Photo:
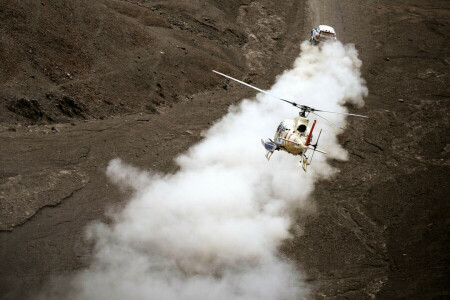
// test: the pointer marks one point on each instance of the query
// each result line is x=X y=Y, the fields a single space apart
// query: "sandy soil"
x=82 y=83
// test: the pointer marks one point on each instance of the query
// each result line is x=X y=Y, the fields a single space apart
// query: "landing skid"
x=304 y=162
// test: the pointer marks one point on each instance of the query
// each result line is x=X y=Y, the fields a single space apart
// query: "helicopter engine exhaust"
x=214 y=228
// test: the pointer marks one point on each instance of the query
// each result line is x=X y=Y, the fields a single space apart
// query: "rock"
x=401 y=100
x=189 y=132
x=387 y=59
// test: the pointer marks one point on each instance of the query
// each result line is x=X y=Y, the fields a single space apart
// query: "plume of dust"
x=316 y=12
x=213 y=229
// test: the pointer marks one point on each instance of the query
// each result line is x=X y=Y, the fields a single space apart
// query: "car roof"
x=326 y=28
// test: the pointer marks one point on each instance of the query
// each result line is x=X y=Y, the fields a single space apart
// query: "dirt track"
x=381 y=226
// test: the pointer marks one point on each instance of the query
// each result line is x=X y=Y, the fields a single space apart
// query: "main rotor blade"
x=340 y=113
x=255 y=88
x=327 y=120
x=302 y=107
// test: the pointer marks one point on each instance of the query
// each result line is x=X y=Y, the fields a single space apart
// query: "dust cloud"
x=213 y=229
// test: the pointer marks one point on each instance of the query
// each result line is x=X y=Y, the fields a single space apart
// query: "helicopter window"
x=280 y=127
x=301 y=128
x=327 y=34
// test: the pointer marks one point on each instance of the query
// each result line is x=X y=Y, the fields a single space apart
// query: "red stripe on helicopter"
x=310 y=133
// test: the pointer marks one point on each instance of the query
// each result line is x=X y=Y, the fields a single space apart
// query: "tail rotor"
x=315 y=147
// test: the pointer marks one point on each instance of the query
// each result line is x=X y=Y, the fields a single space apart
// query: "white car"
x=322 y=33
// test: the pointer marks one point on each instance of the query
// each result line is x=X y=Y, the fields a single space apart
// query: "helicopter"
x=293 y=136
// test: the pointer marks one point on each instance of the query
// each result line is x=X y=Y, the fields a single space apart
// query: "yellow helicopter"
x=293 y=136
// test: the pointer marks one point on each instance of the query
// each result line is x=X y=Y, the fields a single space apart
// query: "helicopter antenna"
x=303 y=108
x=315 y=146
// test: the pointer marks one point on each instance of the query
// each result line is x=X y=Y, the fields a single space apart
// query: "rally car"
x=322 y=33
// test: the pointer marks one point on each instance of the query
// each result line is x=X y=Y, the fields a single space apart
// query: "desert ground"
x=83 y=82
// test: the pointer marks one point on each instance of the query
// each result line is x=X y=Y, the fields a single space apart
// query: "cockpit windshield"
x=327 y=34
x=281 y=128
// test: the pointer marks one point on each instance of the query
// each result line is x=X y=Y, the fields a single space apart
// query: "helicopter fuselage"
x=291 y=135
x=294 y=137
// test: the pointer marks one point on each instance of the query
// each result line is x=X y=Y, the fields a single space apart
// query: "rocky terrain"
x=83 y=82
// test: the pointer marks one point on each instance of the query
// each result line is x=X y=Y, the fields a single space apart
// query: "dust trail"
x=212 y=230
